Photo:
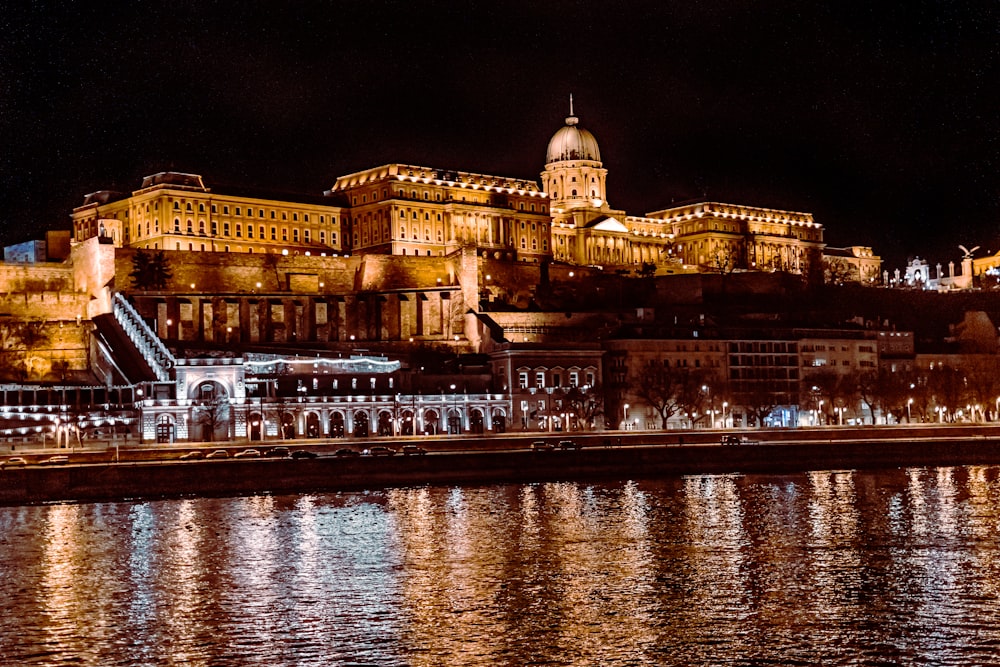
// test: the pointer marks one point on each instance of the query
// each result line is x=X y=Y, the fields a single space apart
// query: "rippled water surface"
x=849 y=568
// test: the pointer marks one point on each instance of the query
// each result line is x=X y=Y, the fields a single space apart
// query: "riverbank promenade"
x=119 y=470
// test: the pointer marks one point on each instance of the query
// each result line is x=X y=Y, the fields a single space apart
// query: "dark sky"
x=881 y=120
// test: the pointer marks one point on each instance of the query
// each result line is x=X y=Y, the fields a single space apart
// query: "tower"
x=574 y=176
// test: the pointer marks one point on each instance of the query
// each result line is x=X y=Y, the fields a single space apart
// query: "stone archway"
x=287 y=426
x=499 y=420
x=312 y=425
x=385 y=423
x=406 y=423
x=337 y=425
x=361 y=426
x=431 y=422
x=476 y=421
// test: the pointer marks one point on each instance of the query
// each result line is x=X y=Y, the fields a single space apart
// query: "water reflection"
x=890 y=567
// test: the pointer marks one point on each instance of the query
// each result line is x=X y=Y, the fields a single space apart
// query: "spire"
x=571 y=119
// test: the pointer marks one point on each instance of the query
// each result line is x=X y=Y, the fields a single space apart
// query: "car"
x=541 y=446
x=13 y=462
x=346 y=452
x=247 y=454
x=278 y=452
x=568 y=444
x=414 y=450
x=54 y=461
x=218 y=454
x=193 y=454
x=303 y=454
x=379 y=450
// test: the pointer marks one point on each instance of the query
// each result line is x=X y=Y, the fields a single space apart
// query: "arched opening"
x=287 y=426
x=476 y=421
x=337 y=425
x=454 y=421
x=256 y=426
x=360 y=424
x=406 y=423
x=499 y=422
x=385 y=423
x=165 y=429
x=430 y=422
x=312 y=425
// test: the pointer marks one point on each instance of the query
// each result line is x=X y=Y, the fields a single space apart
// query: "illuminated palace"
x=390 y=266
x=399 y=209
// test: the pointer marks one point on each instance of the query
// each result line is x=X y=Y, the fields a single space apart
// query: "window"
x=522 y=380
x=249 y=212
x=574 y=379
x=249 y=231
x=239 y=230
x=540 y=379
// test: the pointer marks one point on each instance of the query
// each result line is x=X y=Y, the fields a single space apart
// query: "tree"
x=837 y=271
x=586 y=404
x=983 y=381
x=759 y=401
x=894 y=392
x=212 y=415
x=150 y=270
x=665 y=388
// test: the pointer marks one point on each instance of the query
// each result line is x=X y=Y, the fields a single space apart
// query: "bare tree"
x=657 y=385
x=212 y=415
x=983 y=383
x=586 y=404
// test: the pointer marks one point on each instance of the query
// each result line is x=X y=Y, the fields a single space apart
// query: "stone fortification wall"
x=223 y=272
x=63 y=355
x=41 y=291
x=393 y=272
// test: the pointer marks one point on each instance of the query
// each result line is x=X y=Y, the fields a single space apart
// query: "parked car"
x=54 y=460
x=247 y=454
x=346 y=452
x=414 y=450
x=379 y=450
x=14 y=461
x=568 y=444
x=218 y=454
x=278 y=452
x=303 y=454
x=193 y=454
x=541 y=446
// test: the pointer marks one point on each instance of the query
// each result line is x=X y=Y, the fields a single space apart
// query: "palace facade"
x=400 y=209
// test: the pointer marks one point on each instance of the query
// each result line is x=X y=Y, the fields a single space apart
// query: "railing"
x=148 y=343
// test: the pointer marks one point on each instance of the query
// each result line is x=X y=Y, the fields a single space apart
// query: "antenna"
x=571 y=104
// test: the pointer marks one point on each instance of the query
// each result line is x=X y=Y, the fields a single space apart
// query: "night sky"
x=881 y=121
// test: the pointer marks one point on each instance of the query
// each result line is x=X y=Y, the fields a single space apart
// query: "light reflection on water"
x=849 y=568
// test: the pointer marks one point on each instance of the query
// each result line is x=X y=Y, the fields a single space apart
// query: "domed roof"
x=572 y=142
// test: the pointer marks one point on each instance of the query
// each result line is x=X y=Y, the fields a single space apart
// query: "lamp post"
x=625 y=416
x=821 y=409
x=909 y=403
x=454 y=426
x=710 y=413
x=725 y=404
x=139 y=393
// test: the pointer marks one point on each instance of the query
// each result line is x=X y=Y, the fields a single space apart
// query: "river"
x=898 y=567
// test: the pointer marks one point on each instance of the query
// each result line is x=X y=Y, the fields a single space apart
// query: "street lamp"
x=725 y=404
x=139 y=393
x=711 y=411
x=908 y=404
x=625 y=416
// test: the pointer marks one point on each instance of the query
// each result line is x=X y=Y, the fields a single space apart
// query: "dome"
x=572 y=142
